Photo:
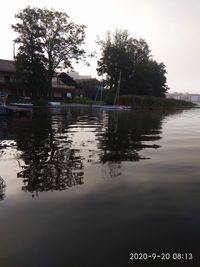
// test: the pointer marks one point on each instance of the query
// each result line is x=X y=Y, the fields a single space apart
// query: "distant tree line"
x=140 y=74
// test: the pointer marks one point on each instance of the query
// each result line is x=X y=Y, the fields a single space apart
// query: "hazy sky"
x=170 y=27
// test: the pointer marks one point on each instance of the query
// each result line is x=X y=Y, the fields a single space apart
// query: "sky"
x=170 y=27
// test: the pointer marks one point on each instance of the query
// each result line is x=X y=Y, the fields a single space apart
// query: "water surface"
x=86 y=187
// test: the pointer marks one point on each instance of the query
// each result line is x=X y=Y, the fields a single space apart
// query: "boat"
x=11 y=109
x=113 y=107
x=116 y=105
x=3 y=108
x=24 y=102
x=22 y=105
x=19 y=109
x=54 y=104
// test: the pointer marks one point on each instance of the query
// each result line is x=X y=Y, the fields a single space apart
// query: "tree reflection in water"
x=2 y=188
x=55 y=147
x=50 y=162
x=126 y=134
x=57 y=171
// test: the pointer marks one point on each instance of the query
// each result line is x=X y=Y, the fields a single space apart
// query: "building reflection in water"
x=56 y=145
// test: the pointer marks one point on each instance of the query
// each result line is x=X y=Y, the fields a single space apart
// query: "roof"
x=7 y=65
x=66 y=79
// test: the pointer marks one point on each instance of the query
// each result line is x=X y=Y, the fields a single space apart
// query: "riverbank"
x=151 y=102
x=137 y=102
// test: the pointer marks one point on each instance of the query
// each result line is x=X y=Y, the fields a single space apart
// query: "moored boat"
x=3 y=108
x=19 y=109
x=54 y=104
x=113 y=107
x=24 y=102
x=22 y=105
x=13 y=109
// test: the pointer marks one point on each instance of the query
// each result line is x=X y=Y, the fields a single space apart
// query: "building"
x=8 y=83
x=185 y=96
x=76 y=76
x=63 y=86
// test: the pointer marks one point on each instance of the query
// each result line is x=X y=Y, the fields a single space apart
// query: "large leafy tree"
x=150 y=79
x=31 y=75
x=30 y=58
x=131 y=57
x=61 y=40
x=49 y=37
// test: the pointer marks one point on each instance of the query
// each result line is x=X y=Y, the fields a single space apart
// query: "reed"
x=153 y=102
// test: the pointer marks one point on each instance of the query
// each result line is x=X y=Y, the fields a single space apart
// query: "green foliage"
x=40 y=102
x=31 y=75
x=150 y=79
x=30 y=59
x=47 y=41
x=110 y=97
x=139 y=73
x=153 y=102
x=83 y=100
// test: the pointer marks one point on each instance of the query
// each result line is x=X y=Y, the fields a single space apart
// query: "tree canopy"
x=47 y=41
x=140 y=74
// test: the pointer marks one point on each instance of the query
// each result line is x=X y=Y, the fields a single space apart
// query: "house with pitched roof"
x=63 y=86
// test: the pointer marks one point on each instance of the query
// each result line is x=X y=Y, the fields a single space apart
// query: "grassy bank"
x=137 y=102
x=83 y=100
x=154 y=102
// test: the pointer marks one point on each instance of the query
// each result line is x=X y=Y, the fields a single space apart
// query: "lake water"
x=86 y=187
